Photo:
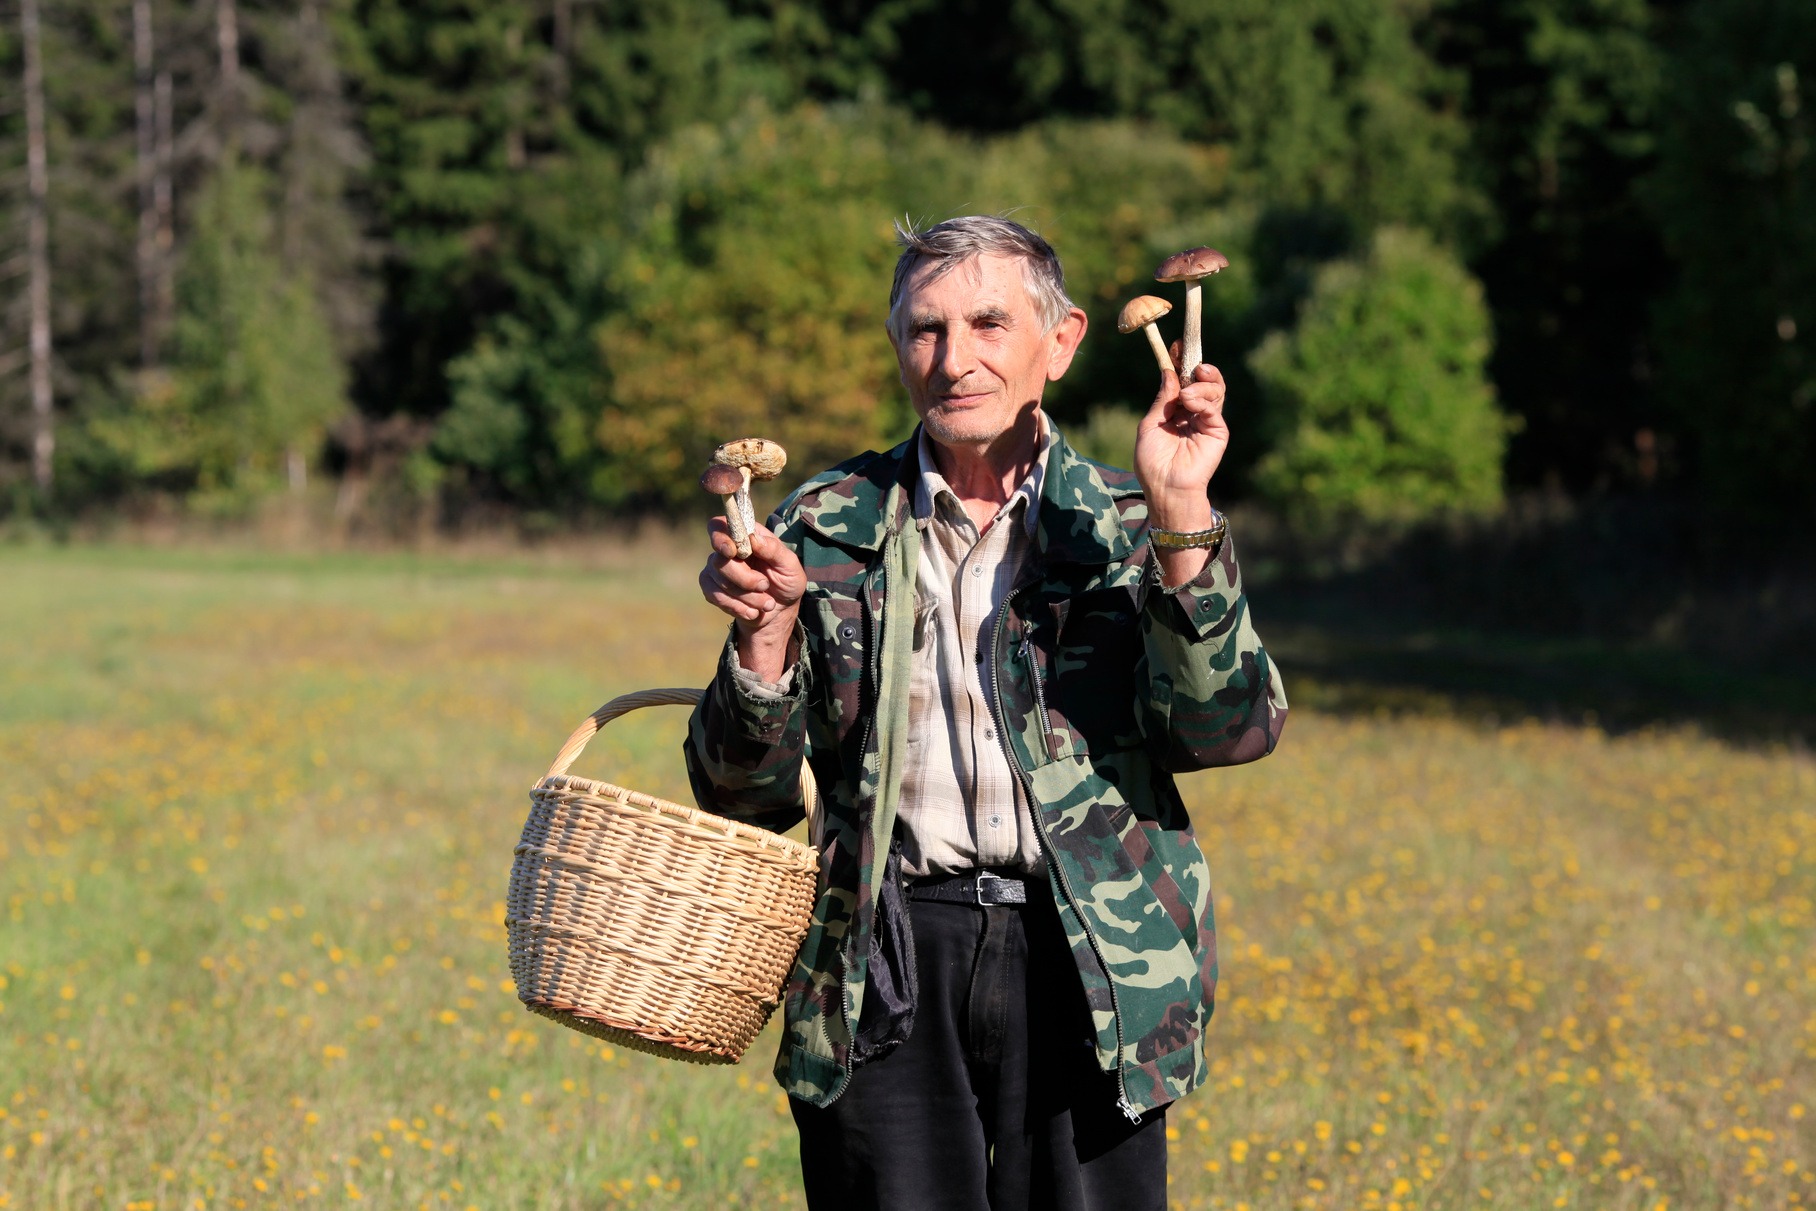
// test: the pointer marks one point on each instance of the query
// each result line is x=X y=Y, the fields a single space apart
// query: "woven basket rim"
x=614 y=795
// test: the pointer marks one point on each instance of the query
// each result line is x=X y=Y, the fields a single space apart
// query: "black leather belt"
x=971 y=887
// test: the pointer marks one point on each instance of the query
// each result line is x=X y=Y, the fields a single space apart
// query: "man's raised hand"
x=1178 y=447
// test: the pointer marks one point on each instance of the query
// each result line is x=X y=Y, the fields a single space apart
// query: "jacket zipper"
x=873 y=662
x=996 y=696
x=1040 y=696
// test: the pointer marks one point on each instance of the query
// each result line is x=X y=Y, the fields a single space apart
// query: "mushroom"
x=734 y=465
x=1192 y=266
x=1143 y=312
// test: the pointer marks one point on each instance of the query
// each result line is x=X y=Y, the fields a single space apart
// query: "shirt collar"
x=931 y=490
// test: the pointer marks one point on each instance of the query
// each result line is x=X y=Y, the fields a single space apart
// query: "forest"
x=531 y=259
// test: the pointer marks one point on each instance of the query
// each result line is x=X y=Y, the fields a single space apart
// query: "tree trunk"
x=37 y=239
x=562 y=43
x=227 y=37
x=163 y=204
x=146 y=156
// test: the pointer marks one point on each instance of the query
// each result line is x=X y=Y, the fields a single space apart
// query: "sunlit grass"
x=256 y=825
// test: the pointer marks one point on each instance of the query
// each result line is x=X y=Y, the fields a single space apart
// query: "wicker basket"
x=656 y=926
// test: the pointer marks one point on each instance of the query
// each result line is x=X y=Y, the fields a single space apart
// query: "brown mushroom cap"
x=722 y=479
x=1143 y=309
x=1190 y=265
x=762 y=457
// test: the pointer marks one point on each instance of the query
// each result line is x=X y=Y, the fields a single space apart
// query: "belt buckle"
x=984 y=878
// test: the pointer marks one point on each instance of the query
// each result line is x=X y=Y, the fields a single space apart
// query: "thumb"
x=772 y=551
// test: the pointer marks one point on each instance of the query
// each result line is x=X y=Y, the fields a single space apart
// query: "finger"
x=741 y=607
x=1169 y=391
x=1192 y=400
x=738 y=605
x=728 y=603
x=718 y=531
x=1207 y=373
x=740 y=577
x=1176 y=351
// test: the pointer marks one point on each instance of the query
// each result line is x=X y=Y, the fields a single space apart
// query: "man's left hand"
x=1178 y=446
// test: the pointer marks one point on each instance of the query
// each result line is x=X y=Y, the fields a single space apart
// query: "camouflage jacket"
x=1105 y=687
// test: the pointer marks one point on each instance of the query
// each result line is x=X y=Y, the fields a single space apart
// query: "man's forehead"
x=986 y=280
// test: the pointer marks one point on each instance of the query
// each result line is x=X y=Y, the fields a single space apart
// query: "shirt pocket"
x=924 y=678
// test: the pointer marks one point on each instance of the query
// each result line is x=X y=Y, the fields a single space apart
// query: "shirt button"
x=996 y=821
x=989 y=733
x=977 y=569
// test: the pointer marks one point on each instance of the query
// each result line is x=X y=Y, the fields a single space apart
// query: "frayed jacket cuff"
x=760 y=710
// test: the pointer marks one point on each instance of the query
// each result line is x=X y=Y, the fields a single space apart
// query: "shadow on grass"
x=1506 y=677
x=1611 y=615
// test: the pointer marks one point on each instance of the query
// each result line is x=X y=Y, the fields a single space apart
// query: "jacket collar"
x=1077 y=522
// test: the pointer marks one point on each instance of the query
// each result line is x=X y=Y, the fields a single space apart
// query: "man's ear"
x=1066 y=336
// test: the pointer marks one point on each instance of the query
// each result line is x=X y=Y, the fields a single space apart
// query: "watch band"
x=1182 y=540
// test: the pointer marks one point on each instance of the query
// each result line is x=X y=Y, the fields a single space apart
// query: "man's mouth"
x=955 y=400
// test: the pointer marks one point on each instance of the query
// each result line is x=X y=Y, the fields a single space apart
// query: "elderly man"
x=995 y=655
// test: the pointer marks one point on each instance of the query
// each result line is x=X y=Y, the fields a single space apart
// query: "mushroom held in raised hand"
x=734 y=465
x=1192 y=267
x=1142 y=312
x=729 y=483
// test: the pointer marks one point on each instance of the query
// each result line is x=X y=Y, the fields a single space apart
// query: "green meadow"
x=256 y=823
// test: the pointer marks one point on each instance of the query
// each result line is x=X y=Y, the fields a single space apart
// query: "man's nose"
x=957 y=355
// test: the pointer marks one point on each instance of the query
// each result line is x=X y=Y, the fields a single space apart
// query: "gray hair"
x=956 y=241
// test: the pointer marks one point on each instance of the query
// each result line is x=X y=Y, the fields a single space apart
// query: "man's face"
x=971 y=349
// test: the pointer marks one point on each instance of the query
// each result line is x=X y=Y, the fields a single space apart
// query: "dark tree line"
x=541 y=252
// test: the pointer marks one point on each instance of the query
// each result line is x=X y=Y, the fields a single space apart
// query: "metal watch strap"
x=1185 y=540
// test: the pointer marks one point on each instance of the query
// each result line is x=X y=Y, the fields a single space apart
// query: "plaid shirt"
x=962 y=804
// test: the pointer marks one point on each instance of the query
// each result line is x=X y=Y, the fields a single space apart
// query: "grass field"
x=257 y=818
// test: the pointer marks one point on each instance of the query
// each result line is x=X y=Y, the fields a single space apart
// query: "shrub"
x=1378 y=396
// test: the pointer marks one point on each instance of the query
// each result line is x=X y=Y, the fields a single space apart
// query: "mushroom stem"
x=1160 y=347
x=739 y=517
x=1193 y=352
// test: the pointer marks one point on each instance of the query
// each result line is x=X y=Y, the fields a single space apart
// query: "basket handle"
x=624 y=704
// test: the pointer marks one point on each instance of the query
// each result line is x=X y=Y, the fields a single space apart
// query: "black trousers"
x=996 y=1100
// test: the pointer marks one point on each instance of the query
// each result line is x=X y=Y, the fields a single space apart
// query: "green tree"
x=467 y=103
x=1318 y=103
x=754 y=293
x=528 y=394
x=252 y=379
x=1383 y=409
x=749 y=292
x=1735 y=195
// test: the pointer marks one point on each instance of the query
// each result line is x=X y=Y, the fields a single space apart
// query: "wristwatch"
x=1185 y=540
